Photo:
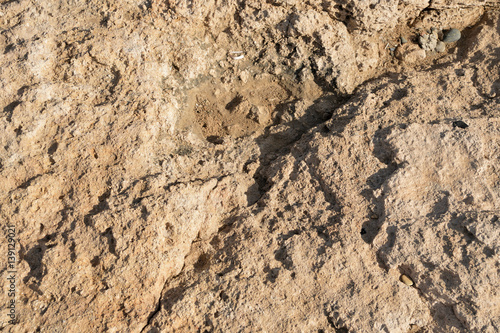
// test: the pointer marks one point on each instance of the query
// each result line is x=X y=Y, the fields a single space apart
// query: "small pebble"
x=237 y=55
x=406 y=280
x=374 y=216
x=452 y=36
x=403 y=40
x=428 y=41
x=460 y=124
x=440 y=47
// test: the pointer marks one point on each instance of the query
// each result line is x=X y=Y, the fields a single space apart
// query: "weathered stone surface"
x=157 y=184
x=450 y=201
x=428 y=42
x=452 y=35
x=410 y=53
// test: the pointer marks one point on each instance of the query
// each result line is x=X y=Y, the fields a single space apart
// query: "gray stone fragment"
x=428 y=41
x=452 y=36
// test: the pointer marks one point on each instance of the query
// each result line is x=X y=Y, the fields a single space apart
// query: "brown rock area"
x=249 y=166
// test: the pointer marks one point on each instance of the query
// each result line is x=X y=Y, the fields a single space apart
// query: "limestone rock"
x=428 y=42
x=156 y=184
x=410 y=53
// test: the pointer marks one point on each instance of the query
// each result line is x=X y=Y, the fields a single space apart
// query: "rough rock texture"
x=158 y=184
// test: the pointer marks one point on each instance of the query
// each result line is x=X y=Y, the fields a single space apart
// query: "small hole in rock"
x=94 y=262
x=216 y=140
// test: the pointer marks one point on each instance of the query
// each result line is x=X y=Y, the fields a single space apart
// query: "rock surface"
x=157 y=183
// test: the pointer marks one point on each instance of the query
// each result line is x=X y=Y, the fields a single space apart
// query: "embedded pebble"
x=258 y=114
x=452 y=36
x=440 y=47
x=428 y=41
x=237 y=55
x=403 y=40
x=406 y=280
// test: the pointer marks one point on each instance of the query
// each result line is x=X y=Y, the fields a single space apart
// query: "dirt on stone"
x=216 y=111
x=247 y=166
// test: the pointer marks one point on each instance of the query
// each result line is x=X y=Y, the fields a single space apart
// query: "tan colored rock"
x=410 y=53
x=137 y=208
x=428 y=42
x=453 y=196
